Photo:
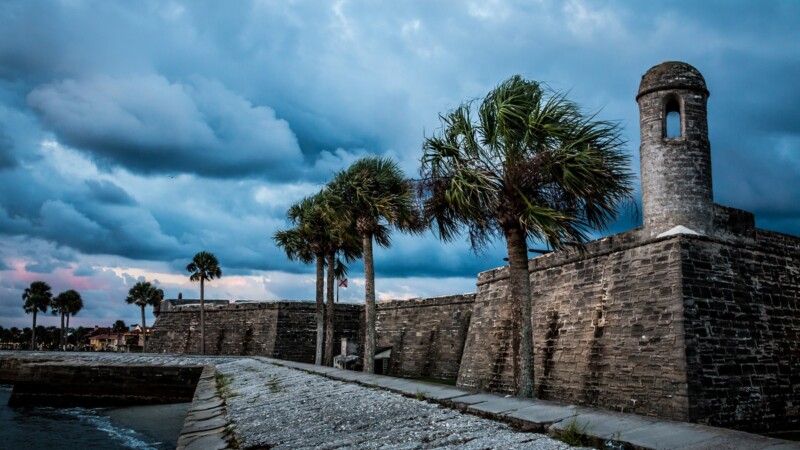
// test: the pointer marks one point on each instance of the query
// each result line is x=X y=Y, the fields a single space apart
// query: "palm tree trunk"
x=202 y=317
x=320 y=308
x=369 y=294
x=144 y=332
x=520 y=281
x=61 y=339
x=33 y=332
x=329 y=316
x=66 y=338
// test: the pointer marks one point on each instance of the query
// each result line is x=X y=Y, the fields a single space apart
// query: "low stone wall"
x=427 y=335
x=92 y=385
x=285 y=330
x=681 y=327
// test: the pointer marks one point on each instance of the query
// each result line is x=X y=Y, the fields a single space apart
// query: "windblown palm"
x=143 y=294
x=315 y=237
x=204 y=267
x=377 y=197
x=37 y=298
x=64 y=304
x=532 y=166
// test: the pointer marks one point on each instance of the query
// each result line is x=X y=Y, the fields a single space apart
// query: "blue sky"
x=134 y=134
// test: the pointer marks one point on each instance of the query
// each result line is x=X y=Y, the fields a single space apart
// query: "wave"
x=126 y=437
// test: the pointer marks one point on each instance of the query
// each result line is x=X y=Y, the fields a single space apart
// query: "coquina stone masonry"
x=607 y=328
x=281 y=329
x=427 y=335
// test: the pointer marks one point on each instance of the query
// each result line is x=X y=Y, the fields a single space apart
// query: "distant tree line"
x=48 y=338
x=38 y=298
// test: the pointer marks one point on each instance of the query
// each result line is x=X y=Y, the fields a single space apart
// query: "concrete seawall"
x=94 y=385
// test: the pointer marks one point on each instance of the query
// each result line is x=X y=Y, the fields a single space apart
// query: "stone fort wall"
x=608 y=328
x=682 y=327
x=283 y=329
x=427 y=335
x=742 y=324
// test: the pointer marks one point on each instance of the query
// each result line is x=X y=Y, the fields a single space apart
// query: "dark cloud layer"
x=137 y=133
x=7 y=159
x=149 y=125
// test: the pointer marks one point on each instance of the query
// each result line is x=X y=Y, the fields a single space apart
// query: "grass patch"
x=274 y=385
x=230 y=435
x=224 y=385
x=575 y=433
x=420 y=395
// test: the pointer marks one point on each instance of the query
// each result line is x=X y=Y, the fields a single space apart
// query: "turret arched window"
x=672 y=119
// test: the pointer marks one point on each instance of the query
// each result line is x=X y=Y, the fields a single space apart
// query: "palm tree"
x=119 y=327
x=63 y=305
x=345 y=244
x=308 y=241
x=376 y=196
x=532 y=166
x=37 y=298
x=143 y=294
x=74 y=306
x=204 y=267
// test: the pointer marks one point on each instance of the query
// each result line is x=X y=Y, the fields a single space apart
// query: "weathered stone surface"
x=742 y=323
x=608 y=328
x=285 y=330
x=283 y=408
x=207 y=442
x=426 y=335
x=101 y=384
x=676 y=171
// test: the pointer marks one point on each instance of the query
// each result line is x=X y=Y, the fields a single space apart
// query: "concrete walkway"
x=277 y=407
x=553 y=418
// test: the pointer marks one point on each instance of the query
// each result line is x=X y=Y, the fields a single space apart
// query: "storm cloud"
x=134 y=134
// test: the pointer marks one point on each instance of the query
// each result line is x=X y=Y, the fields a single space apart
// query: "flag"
x=343 y=282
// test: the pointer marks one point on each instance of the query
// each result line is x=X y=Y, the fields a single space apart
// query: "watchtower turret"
x=675 y=152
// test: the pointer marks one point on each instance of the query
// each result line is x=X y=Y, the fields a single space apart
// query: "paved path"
x=531 y=414
x=290 y=409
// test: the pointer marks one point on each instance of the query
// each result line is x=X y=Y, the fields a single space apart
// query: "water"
x=142 y=427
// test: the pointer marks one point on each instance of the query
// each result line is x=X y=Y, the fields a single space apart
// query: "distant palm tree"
x=377 y=197
x=74 y=306
x=62 y=305
x=37 y=298
x=143 y=294
x=531 y=166
x=204 y=267
x=119 y=327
